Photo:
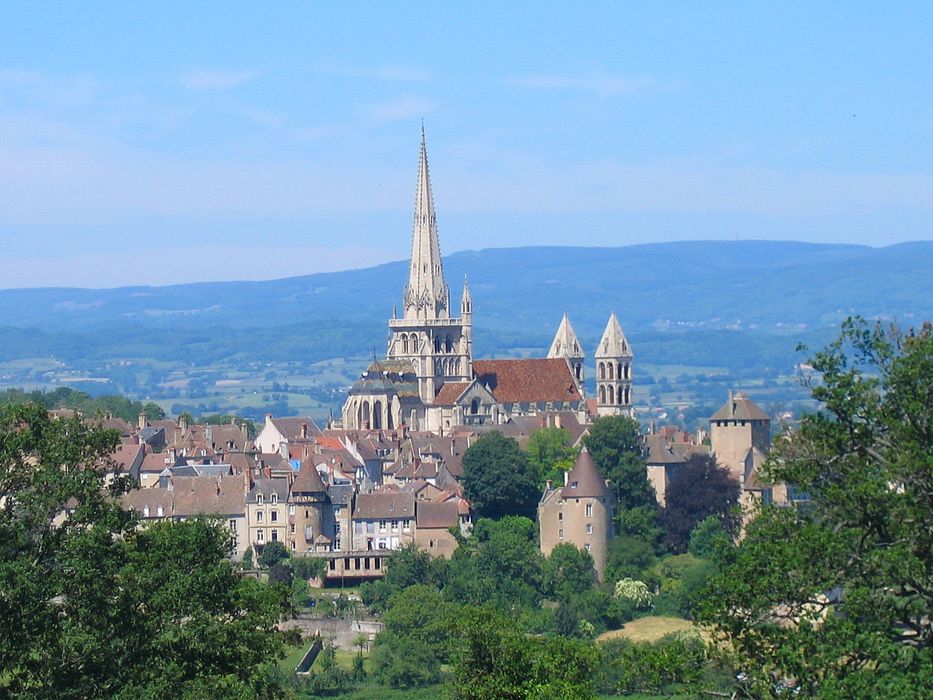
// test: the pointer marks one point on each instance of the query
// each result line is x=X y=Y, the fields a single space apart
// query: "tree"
x=568 y=572
x=92 y=607
x=699 y=490
x=550 y=453
x=616 y=447
x=508 y=562
x=834 y=595
x=708 y=538
x=153 y=411
x=498 y=662
x=407 y=566
x=497 y=478
x=272 y=554
x=615 y=444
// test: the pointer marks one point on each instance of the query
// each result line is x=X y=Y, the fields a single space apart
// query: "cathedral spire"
x=426 y=295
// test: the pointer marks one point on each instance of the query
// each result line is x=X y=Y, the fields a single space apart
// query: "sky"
x=168 y=142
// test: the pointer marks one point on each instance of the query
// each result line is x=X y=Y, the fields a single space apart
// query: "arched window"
x=474 y=407
x=364 y=422
x=437 y=343
x=610 y=366
x=377 y=415
x=602 y=371
x=628 y=395
x=602 y=394
x=448 y=346
x=404 y=344
x=628 y=371
x=619 y=397
x=610 y=395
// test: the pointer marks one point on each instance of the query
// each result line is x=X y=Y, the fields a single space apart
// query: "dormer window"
x=573 y=484
x=160 y=512
x=259 y=499
x=275 y=498
x=145 y=511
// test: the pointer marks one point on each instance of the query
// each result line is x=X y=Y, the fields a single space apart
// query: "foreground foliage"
x=92 y=607
x=834 y=597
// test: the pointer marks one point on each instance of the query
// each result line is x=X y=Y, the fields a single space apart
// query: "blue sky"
x=150 y=143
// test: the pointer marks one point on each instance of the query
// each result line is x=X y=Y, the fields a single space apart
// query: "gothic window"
x=448 y=345
x=628 y=395
x=365 y=415
x=404 y=344
x=437 y=344
x=610 y=394
x=610 y=366
x=619 y=397
x=602 y=371
x=377 y=415
x=602 y=394
x=474 y=407
x=628 y=371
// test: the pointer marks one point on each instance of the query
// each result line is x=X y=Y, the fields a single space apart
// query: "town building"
x=580 y=513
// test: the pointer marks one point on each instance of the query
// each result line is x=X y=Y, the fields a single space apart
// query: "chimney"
x=557 y=421
x=142 y=421
x=566 y=477
x=304 y=431
x=268 y=418
x=550 y=485
x=183 y=423
x=731 y=402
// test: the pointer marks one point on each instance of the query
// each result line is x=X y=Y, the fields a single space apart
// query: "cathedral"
x=429 y=379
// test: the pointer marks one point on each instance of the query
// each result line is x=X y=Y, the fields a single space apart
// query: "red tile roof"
x=527 y=381
x=450 y=392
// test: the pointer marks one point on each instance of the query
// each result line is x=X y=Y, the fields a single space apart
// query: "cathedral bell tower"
x=614 y=372
x=567 y=345
x=438 y=346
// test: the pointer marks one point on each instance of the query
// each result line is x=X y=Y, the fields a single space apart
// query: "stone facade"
x=579 y=513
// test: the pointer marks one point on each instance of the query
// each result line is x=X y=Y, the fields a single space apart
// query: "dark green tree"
x=616 y=447
x=272 y=554
x=568 y=572
x=835 y=595
x=497 y=478
x=92 y=607
x=407 y=566
x=153 y=411
x=499 y=662
x=700 y=489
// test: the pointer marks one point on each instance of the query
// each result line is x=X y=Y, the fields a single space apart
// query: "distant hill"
x=664 y=286
x=740 y=307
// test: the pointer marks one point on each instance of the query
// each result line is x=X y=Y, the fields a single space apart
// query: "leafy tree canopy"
x=272 y=554
x=550 y=453
x=92 y=607
x=700 y=489
x=497 y=478
x=616 y=447
x=835 y=596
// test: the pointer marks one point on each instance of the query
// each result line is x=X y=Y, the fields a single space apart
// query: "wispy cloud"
x=599 y=83
x=214 y=80
x=400 y=108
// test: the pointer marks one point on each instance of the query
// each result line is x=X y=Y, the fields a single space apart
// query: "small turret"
x=566 y=344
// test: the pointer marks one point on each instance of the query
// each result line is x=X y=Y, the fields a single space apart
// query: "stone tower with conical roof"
x=438 y=346
x=566 y=344
x=579 y=513
x=614 y=372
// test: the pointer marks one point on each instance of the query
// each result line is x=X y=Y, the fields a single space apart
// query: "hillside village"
x=388 y=473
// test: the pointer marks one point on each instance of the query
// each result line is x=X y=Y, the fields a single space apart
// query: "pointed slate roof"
x=426 y=295
x=739 y=407
x=584 y=480
x=566 y=343
x=613 y=343
x=308 y=480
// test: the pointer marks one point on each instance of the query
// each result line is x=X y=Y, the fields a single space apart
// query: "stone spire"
x=466 y=301
x=426 y=295
x=613 y=343
x=566 y=343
